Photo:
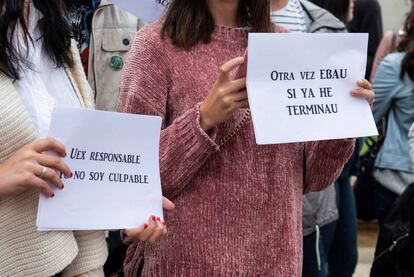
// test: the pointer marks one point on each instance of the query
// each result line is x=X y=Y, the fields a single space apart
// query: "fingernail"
x=153 y=218
x=53 y=195
x=71 y=175
x=158 y=219
x=164 y=223
x=63 y=186
x=145 y=226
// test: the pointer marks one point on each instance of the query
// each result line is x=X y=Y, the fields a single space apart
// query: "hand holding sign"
x=225 y=97
x=31 y=168
x=300 y=94
x=116 y=178
x=364 y=91
x=154 y=230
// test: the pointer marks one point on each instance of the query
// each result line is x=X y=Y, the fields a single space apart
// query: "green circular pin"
x=116 y=62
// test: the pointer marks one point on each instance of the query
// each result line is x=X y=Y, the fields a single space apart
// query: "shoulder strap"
x=394 y=41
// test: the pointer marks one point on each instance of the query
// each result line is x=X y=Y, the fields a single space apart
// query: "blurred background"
x=393 y=13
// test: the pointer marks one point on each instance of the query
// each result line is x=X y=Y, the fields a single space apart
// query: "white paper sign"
x=146 y=10
x=115 y=161
x=299 y=87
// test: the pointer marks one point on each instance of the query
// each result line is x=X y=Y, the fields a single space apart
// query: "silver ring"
x=44 y=169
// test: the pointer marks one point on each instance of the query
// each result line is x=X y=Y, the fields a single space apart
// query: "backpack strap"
x=394 y=41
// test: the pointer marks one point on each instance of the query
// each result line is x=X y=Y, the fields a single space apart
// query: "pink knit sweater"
x=239 y=207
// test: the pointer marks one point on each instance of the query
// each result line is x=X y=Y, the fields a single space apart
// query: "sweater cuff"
x=336 y=148
x=205 y=137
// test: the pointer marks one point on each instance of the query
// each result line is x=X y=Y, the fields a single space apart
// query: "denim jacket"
x=395 y=97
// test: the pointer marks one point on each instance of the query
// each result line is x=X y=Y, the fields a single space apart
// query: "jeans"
x=343 y=256
x=311 y=267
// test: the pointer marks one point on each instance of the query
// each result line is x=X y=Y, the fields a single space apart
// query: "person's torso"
x=113 y=32
x=291 y=17
x=42 y=85
x=51 y=252
x=245 y=183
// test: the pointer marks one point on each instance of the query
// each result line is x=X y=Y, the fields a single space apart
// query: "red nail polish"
x=71 y=175
x=164 y=223
x=63 y=186
x=153 y=218
x=158 y=219
x=53 y=195
x=145 y=226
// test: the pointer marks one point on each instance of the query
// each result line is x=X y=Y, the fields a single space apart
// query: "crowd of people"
x=238 y=209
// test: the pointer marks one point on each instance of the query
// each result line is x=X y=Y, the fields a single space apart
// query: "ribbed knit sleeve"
x=324 y=161
x=184 y=145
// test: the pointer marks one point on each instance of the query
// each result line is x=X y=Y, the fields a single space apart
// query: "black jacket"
x=394 y=255
x=368 y=19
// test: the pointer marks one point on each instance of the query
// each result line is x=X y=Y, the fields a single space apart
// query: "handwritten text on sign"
x=299 y=87
x=114 y=158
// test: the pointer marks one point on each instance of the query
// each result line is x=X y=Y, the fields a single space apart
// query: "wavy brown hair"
x=188 y=22
x=407 y=45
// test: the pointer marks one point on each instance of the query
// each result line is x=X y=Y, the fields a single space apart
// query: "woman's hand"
x=30 y=168
x=364 y=91
x=154 y=230
x=226 y=97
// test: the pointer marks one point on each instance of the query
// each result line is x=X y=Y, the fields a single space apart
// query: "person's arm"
x=383 y=50
x=324 y=161
x=384 y=84
x=184 y=146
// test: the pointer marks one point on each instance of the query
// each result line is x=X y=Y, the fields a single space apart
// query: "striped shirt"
x=291 y=17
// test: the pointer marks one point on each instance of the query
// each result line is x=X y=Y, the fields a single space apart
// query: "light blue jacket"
x=395 y=97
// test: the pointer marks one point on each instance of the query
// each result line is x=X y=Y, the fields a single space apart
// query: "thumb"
x=167 y=204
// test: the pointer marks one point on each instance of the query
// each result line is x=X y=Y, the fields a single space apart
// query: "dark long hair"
x=407 y=45
x=339 y=8
x=56 y=33
x=189 y=22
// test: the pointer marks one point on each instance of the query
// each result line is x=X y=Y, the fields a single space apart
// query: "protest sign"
x=114 y=158
x=146 y=10
x=299 y=87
